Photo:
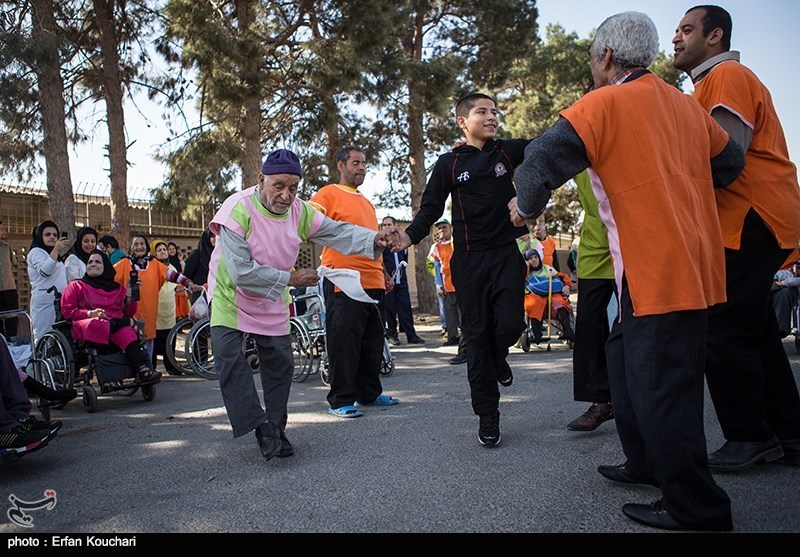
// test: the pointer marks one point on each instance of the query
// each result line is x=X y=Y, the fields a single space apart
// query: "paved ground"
x=171 y=465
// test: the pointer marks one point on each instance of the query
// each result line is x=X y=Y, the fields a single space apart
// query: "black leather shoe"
x=269 y=439
x=621 y=474
x=791 y=451
x=416 y=340
x=653 y=515
x=504 y=375
x=739 y=455
x=286 y=448
x=458 y=359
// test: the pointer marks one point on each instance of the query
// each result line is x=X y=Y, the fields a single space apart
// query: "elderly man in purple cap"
x=259 y=233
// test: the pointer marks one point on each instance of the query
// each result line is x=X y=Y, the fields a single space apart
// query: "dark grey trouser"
x=236 y=378
x=452 y=316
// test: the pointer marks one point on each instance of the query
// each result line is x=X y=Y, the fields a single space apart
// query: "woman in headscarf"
x=45 y=270
x=181 y=295
x=151 y=275
x=197 y=263
x=85 y=243
x=544 y=281
x=166 y=308
x=102 y=312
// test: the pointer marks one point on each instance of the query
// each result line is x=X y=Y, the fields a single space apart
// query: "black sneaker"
x=489 y=429
x=286 y=448
x=269 y=439
x=416 y=340
x=19 y=440
x=504 y=375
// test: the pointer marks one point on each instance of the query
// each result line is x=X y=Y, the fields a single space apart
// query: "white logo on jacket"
x=499 y=169
x=463 y=177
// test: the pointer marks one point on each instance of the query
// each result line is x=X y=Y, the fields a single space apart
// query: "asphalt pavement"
x=172 y=465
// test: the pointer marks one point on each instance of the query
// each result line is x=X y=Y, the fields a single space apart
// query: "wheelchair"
x=199 y=352
x=309 y=340
x=63 y=358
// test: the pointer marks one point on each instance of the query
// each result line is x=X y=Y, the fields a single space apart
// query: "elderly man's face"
x=691 y=48
x=278 y=191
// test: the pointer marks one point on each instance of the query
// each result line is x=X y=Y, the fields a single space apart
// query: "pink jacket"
x=79 y=298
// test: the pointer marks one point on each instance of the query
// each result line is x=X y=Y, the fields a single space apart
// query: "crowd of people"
x=646 y=159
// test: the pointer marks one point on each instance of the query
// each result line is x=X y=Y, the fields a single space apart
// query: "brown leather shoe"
x=590 y=420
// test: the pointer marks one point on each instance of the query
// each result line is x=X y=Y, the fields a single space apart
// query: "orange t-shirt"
x=549 y=247
x=650 y=148
x=443 y=252
x=343 y=203
x=153 y=278
x=769 y=181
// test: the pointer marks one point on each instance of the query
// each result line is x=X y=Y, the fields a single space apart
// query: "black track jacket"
x=481 y=183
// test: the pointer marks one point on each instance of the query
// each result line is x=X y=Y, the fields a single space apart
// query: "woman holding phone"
x=45 y=270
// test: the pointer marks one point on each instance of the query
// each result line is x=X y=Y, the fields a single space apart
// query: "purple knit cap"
x=282 y=161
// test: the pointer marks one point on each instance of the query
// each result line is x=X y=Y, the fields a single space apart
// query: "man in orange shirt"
x=354 y=329
x=443 y=252
x=749 y=376
x=653 y=156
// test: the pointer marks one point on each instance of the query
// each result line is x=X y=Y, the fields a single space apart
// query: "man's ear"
x=714 y=37
x=460 y=121
x=607 y=56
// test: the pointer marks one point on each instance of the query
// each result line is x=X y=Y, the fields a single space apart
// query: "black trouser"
x=783 y=300
x=490 y=293
x=749 y=376
x=655 y=369
x=8 y=302
x=452 y=317
x=160 y=349
x=354 y=343
x=589 y=371
x=398 y=308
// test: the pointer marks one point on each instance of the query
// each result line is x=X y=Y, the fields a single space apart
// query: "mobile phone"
x=64 y=234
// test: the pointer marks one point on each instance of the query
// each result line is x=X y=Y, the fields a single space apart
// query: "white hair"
x=631 y=37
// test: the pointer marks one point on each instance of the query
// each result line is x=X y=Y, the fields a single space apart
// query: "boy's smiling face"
x=482 y=122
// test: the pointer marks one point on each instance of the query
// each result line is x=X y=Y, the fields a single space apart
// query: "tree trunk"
x=251 y=110
x=115 y=118
x=333 y=139
x=426 y=293
x=51 y=94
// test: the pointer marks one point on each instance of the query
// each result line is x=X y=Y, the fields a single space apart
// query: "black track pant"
x=655 y=368
x=589 y=371
x=490 y=286
x=749 y=376
x=354 y=342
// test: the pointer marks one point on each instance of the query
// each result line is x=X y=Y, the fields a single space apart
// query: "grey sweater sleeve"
x=247 y=273
x=550 y=161
x=728 y=165
x=735 y=126
x=347 y=238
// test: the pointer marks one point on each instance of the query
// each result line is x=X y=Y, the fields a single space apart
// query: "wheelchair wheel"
x=301 y=350
x=56 y=351
x=525 y=342
x=89 y=398
x=149 y=392
x=387 y=360
x=251 y=353
x=176 y=345
x=324 y=370
x=199 y=351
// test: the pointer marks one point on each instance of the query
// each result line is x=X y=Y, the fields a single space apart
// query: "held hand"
x=194 y=287
x=385 y=238
x=303 y=277
x=98 y=313
x=62 y=245
x=401 y=240
x=565 y=290
x=513 y=213
x=388 y=282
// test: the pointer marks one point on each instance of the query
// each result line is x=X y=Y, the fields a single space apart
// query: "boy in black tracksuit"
x=488 y=270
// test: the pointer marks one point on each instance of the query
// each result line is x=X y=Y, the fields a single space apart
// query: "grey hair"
x=631 y=37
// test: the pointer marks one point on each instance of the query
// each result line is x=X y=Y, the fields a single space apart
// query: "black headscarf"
x=174 y=260
x=104 y=281
x=140 y=262
x=38 y=241
x=76 y=247
x=197 y=263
